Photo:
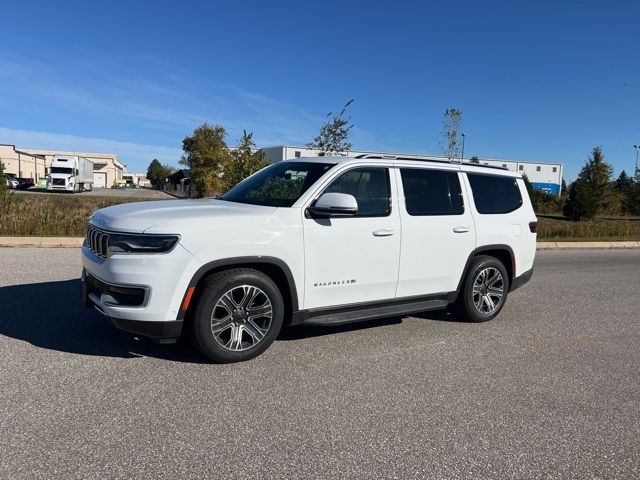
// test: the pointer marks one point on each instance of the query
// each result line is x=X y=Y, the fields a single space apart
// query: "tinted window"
x=431 y=192
x=369 y=186
x=278 y=185
x=493 y=194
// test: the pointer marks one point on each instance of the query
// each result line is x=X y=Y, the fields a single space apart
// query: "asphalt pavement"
x=549 y=389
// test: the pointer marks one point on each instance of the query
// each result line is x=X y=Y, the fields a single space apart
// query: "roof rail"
x=426 y=159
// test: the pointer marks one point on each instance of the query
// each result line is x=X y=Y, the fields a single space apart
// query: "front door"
x=354 y=259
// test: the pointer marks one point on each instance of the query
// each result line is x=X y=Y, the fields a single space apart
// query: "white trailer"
x=70 y=174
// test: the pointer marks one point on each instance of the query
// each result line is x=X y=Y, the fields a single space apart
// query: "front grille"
x=97 y=241
x=59 y=181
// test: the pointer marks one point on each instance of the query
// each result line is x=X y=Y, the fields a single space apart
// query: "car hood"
x=140 y=216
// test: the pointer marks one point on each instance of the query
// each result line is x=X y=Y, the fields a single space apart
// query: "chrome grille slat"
x=97 y=241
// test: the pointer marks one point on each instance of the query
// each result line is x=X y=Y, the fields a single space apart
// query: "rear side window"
x=493 y=194
x=431 y=192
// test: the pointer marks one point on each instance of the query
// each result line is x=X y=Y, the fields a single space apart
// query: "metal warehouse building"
x=542 y=175
x=30 y=163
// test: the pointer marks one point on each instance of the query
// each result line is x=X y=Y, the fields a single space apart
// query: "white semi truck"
x=70 y=173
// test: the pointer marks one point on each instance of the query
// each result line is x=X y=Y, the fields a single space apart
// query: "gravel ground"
x=549 y=389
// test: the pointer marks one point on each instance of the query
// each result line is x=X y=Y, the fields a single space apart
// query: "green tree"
x=633 y=199
x=333 y=138
x=592 y=191
x=3 y=181
x=527 y=184
x=624 y=182
x=450 y=143
x=625 y=185
x=246 y=161
x=563 y=188
x=157 y=173
x=207 y=155
x=474 y=159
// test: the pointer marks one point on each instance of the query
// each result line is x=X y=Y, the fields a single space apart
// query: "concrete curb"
x=41 y=241
x=74 y=242
x=581 y=245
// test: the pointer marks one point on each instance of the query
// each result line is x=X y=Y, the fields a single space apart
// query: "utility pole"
x=635 y=171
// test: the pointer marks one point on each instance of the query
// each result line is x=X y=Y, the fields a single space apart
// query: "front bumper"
x=141 y=294
x=92 y=292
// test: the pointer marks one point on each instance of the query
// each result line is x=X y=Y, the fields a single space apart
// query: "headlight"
x=141 y=243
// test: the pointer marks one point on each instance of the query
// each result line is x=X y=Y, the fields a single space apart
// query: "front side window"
x=369 y=186
x=278 y=185
x=431 y=192
x=494 y=194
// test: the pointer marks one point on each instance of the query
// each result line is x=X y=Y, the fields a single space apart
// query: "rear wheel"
x=484 y=290
x=238 y=315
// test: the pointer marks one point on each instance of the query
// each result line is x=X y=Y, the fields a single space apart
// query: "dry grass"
x=555 y=228
x=50 y=215
x=65 y=215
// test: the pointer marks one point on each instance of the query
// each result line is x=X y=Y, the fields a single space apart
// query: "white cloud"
x=136 y=155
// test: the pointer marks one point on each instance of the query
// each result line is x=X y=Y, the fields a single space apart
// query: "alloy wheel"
x=488 y=290
x=241 y=318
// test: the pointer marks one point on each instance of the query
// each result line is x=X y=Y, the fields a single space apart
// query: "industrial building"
x=30 y=163
x=542 y=175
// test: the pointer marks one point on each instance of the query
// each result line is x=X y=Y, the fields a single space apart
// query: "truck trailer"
x=70 y=174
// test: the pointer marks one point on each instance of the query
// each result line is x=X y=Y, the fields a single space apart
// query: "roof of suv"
x=386 y=159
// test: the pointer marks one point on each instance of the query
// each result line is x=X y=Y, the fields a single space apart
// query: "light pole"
x=635 y=171
x=462 y=156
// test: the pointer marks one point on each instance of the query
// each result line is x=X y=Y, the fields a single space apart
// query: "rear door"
x=354 y=259
x=438 y=232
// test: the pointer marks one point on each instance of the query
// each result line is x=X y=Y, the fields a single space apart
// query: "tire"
x=224 y=329
x=88 y=187
x=484 y=290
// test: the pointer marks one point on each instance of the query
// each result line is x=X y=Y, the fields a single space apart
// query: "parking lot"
x=549 y=389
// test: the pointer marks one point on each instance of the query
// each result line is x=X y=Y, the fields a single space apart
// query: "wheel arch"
x=502 y=252
x=273 y=267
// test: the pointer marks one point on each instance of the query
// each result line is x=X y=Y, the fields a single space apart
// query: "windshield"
x=278 y=185
x=61 y=170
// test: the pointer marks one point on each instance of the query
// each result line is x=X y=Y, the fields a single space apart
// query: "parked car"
x=319 y=241
x=11 y=181
x=26 y=183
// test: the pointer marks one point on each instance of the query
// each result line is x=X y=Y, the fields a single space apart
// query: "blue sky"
x=544 y=80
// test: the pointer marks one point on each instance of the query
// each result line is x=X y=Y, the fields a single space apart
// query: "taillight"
x=533 y=226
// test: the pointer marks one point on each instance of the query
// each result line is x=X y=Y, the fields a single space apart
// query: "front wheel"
x=484 y=290
x=238 y=315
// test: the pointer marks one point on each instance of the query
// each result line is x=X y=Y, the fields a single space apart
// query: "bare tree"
x=450 y=143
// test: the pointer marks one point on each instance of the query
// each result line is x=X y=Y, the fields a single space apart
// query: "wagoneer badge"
x=333 y=282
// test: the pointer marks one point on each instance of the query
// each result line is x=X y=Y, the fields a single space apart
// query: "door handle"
x=461 y=229
x=383 y=233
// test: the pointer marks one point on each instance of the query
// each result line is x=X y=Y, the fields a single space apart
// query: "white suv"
x=321 y=241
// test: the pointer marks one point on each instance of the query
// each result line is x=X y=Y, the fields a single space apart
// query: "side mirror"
x=334 y=205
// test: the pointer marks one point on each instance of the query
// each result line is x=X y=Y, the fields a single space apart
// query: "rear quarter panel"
x=511 y=229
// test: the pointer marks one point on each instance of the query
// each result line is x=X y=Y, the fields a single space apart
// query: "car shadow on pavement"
x=50 y=315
